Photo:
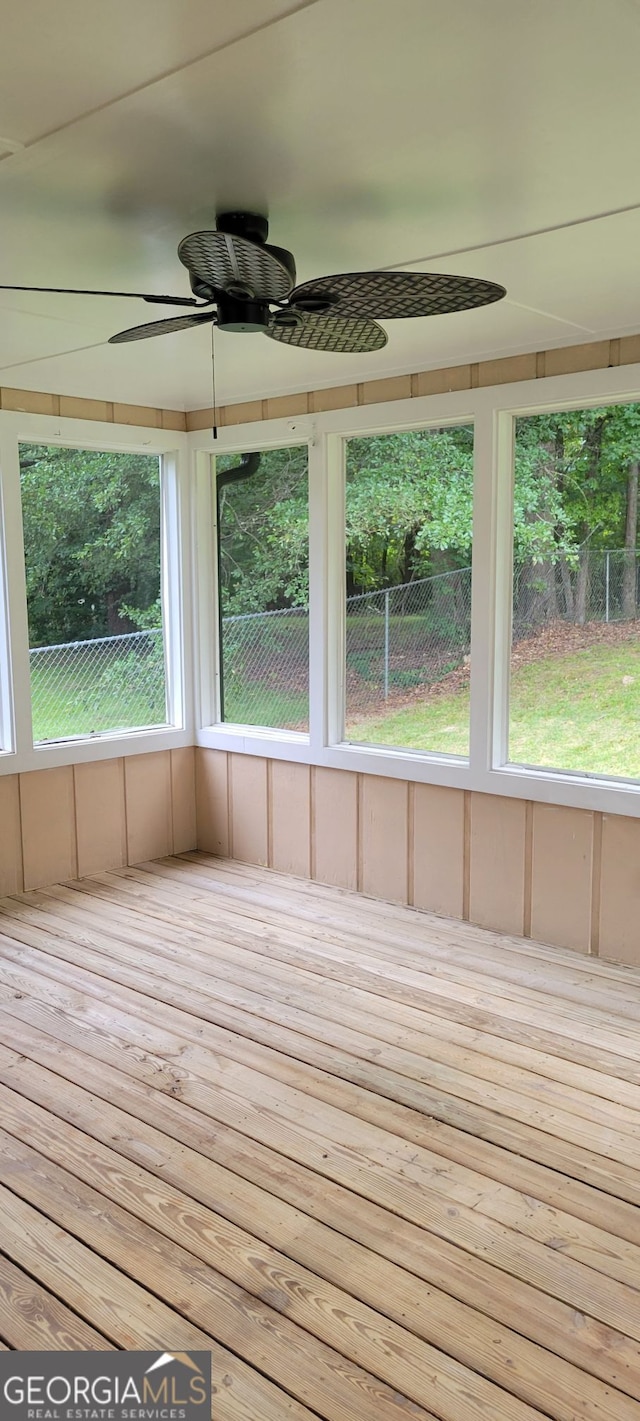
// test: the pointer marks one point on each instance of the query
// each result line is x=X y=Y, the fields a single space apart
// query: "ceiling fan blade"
x=161 y=328
x=134 y=295
x=228 y=263
x=341 y=333
x=391 y=295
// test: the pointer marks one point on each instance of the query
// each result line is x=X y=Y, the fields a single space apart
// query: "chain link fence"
x=397 y=641
x=89 y=687
x=591 y=586
x=405 y=637
x=265 y=662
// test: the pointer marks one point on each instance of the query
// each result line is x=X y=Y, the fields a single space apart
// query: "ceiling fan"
x=237 y=277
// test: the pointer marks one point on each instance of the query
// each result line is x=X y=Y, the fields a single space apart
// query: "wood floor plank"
x=557 y=1388
x=33 y=1319
x=323 y=950
x=475 y=1021
x=419 y=1133
x=458 y=1144
x=381 y=1168
x=413 y=922
x=397 y=942
x=246 y=974
x=590 y=1024
x=390 y=1351
x=129 y=1314
x=558 y=1327
x=378 y=1163
x=555 y=1119
x=299 y=1362
x=443 y=959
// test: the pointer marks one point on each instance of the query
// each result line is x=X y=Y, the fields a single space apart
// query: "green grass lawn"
x=80 y=701
x=250 y=703
x=574 y=712
x=571 y=712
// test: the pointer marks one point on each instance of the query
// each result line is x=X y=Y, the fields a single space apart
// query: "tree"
x=574 y=474
x=91 y=524
x=264 y=525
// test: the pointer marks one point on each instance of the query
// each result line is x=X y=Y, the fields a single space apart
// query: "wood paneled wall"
x=81 y=819
x=568 y=877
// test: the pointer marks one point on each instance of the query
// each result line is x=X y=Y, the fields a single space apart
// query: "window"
x=263 y=541
x=575 y=659
x=409 y=500
x=92 y=542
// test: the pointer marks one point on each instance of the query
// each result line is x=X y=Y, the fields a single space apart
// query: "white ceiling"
x=497 y=139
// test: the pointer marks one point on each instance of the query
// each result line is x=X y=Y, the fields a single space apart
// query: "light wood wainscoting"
x=567 y=877
x=75 y=820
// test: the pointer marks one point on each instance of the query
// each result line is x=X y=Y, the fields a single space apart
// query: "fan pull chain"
x=213 y=380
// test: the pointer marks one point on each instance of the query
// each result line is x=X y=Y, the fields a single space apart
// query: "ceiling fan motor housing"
x=242 y=315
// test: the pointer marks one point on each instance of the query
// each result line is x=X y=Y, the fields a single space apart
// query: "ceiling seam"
x=18 y=149
x=519 y=236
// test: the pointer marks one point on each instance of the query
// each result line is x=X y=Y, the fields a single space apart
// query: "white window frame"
x=277 y=434
x=18 y=753
x=492 y=411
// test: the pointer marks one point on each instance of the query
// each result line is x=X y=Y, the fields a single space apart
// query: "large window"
x=575 y=660
x=263 y=541
x=92 y=542
x=409 y=501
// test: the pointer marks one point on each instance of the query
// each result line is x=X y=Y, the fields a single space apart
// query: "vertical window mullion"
x=318 y=601
x=15 y=694
x=504 y=437
x=326 y=589
x=176 y=590
x=206 y=638
x=484 y=593
x=336 y=588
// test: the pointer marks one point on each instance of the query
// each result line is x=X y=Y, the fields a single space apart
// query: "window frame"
x=18 y=752
x=492 y=410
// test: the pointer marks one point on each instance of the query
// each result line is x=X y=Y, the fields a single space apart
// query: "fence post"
x=606 y=589
x=386 y=645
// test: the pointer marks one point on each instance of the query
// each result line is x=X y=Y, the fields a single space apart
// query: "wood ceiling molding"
x=102 y=411
x=595 y=355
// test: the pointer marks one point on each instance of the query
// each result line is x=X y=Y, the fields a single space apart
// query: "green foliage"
x=264 y=529
x=409 y=505
x=571 y=480
x=92 y=519
x=409 y=498
x=92 y=540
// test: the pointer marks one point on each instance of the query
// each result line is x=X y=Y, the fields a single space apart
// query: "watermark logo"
x=105 y=1386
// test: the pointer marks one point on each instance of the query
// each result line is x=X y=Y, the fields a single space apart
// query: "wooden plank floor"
x=381 y=1165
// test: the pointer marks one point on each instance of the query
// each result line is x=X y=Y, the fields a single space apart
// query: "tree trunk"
x=567 y=589
x=117 y=625
x=630 y=541
x=582 y=587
